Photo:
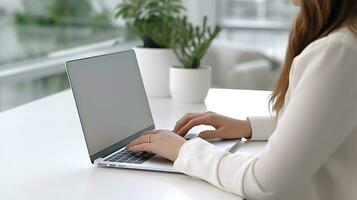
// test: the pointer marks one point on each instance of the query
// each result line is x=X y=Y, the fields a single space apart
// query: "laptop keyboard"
x=130 y=157
x=125 y=156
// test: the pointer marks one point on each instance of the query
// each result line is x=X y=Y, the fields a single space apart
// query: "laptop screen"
x=110 y=98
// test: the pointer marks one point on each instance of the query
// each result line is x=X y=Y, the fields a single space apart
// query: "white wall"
x=111 y=4
x=197 y=9
x=10 y=5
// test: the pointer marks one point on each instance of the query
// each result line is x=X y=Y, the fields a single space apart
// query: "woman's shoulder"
x=336 y=49
x=343 y=37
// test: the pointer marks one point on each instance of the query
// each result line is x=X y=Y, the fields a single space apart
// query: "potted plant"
x=190 y=82
x=153 y=21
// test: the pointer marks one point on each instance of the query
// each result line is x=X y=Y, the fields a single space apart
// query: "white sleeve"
x=322 y=112
x=262 y=127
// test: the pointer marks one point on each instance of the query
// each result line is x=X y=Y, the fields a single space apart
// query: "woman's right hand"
x=225 y=127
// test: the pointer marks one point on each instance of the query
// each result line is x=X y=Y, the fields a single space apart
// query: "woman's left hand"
x=164 y=143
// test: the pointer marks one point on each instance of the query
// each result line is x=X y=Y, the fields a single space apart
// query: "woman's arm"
x=322 y=112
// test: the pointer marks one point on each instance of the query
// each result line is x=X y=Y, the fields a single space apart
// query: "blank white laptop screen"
x=110 y=98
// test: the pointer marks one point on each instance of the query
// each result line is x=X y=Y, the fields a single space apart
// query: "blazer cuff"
x=183 y=157
x=262 y=127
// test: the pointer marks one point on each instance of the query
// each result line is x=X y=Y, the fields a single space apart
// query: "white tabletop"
x=43 y=153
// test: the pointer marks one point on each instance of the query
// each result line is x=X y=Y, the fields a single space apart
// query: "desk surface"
x=43 y=153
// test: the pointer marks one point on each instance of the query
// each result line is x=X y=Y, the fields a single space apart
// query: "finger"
x=183 y=122
x=149 y=147
x=209 y=134
x=180 y=123
x=204 y=120
x=140 y=140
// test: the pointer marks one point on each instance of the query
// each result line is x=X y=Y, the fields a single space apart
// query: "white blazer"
x=312 y=148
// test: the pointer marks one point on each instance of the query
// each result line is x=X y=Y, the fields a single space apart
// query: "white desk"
x=43 y=153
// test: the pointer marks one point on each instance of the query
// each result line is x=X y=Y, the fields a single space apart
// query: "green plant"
x=63 y=12
x=66 y=10
x=152 y=20
x=191 y=43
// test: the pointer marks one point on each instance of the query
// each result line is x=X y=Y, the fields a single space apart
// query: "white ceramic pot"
x=154 y=67
x=190 y=85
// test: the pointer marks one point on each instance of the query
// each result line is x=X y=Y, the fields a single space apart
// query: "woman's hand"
x=226 y=128
x=160 y=142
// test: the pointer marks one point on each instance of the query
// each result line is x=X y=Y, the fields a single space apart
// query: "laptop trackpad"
x=159 y=163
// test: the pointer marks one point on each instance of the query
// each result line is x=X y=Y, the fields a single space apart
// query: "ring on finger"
x=149 y=139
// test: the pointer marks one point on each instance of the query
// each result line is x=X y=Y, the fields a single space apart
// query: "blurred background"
x=37 y=37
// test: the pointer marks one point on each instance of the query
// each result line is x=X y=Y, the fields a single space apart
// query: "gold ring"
x=149 y=139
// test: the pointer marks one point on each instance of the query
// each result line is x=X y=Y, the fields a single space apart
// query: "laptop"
x=113 y=109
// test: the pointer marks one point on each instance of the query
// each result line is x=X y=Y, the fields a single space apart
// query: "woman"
x=312 y=147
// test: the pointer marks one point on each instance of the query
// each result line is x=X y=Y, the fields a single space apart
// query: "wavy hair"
x=316 y=19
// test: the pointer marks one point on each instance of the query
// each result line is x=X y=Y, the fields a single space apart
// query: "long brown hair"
x=316 y=19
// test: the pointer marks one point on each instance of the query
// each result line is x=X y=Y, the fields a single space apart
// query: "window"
x=258 y=25
x=37 y=37
x=33 y=28
x=256 y=14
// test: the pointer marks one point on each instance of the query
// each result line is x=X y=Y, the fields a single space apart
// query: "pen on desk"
x=235 y=147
